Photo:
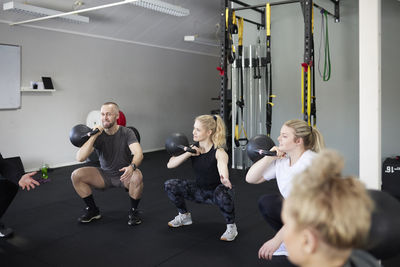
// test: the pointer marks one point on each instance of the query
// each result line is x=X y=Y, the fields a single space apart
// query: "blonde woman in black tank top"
x=211 y=184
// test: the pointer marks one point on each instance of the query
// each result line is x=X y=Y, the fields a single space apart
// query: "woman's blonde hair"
x=338 y=208
x=217 y=127
x=312 y=137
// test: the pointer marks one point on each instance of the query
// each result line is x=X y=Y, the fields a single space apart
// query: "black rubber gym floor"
x=47 y=232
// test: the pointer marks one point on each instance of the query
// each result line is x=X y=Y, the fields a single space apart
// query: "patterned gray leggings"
x=180 y=190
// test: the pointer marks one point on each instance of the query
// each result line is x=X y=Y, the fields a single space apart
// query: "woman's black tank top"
x=205 y=169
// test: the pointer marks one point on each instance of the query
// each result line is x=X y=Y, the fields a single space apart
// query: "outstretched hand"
x=268 y=248
x=27 y=182
x=226 y=182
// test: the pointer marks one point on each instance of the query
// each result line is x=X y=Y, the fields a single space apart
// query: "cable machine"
x=246 y=106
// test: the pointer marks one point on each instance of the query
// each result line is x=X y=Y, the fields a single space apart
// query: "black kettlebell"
x=259 y=146
x=80 y=133
x=177 y=143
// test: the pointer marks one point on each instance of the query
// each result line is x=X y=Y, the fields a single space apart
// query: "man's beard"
x=111 y=124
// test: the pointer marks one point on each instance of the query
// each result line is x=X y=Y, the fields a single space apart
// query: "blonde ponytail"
x=312 y=137
x=217 y=127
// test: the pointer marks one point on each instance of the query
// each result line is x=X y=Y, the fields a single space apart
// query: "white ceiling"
x=134 y=24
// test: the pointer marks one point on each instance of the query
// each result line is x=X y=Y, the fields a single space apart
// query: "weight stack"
x=391 y=176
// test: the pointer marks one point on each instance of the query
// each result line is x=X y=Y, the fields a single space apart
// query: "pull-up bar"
x=246 y=5
x=250 y=21
x=255 y=7
x=263 y=5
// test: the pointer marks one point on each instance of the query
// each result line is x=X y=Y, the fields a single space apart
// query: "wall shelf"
x=28 y=89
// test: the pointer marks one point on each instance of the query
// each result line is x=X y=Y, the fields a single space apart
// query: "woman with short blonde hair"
x=327 y=215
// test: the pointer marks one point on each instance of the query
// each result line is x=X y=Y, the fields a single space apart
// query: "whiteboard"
x=10 y=76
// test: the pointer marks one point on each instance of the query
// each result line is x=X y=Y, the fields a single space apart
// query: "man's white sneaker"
x=181 y=219
x=230 y=233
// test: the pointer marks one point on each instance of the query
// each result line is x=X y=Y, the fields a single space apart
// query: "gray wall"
x=390 y=78
x=337 y=99
x=160 y=91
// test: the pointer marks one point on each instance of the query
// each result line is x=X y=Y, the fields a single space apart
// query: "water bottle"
x=44 y=171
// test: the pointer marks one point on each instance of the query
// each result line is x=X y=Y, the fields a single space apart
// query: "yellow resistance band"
x=270 y=103
x=226 y=18
x=237 y=134
x=268 y=18
x=227 y=24
x=240 y=31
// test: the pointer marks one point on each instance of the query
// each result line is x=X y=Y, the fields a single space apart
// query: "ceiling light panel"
x=163 y=7
x=41 y=12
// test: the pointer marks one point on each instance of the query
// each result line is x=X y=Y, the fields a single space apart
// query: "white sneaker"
x=281 y=251
x=230 y=233
x=181 y=219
